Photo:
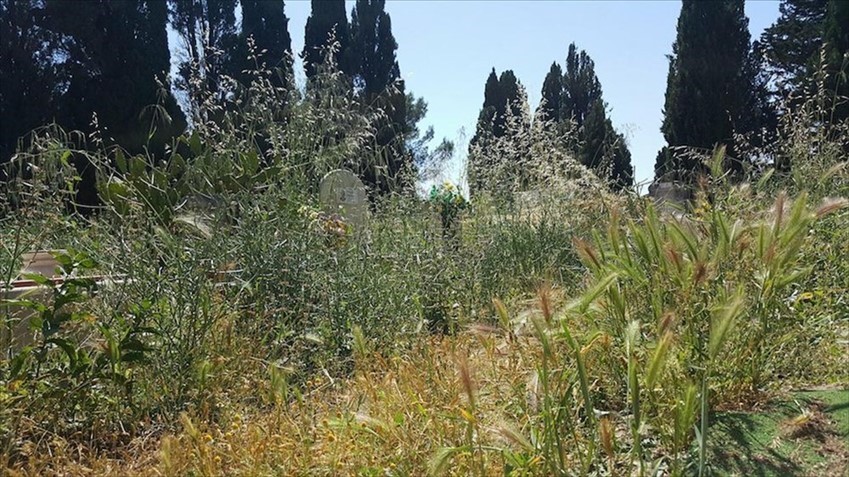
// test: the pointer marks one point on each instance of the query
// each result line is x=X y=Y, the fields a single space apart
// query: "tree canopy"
x=710 y=84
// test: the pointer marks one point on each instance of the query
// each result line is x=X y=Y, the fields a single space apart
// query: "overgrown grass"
x=561 y=331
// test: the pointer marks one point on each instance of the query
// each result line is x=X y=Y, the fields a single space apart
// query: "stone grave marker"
x=343 y=193
x=671 y=197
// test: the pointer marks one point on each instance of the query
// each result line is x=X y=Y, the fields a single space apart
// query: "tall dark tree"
x=327 y=20
x=710 y=82
x=487 y=116
x=621 y=170
x=118 y=93
x=267 y=24
x=512 y=97
x=836 y=58
x=551 y=107
x=500 y=93
x=596 y=136
x=208 y=34
x=663 y=163
x=604 y=150
x=373 y=47
x=580 y=85
x=118 y=88
x=601 y=148
x=28 y=77
x=504 y=97
x=377 y=80
x=791 y=45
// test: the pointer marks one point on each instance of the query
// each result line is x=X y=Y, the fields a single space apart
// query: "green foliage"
x=835 y=60
x=501 y=94
x=575 y=97
x=550 y=108
x=118 y=89
x=711 y=84
x=448 y=202
x=500 y=143
x=792 y=43
x=79 y=364
x=267 y=24
x=327 y=21
x=207 y=29
x=228 y=289
x=377 y=79
x=26 y=72
x=581 y=87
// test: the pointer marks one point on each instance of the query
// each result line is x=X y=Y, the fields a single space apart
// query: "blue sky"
x=447 y=48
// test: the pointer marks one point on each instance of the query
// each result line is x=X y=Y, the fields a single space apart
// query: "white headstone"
x=341 y=192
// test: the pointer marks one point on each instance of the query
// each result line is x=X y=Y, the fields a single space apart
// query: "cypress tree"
x=595 y=136
x=836 y=57
x=709 y=82
x=327 y=20
x=373 y=47
x=602 y=149
x=208 y=34
x=512 y=98
x=28 y=76
x=622 y=172
x=500 y=93
x=791 y=45
x=267 y=24
x=117 y=88
x=486 y=117
x=663 y=163
x=377 y=79
x=580 y=85
x=551 y=107
x=492 y=91
x=505 y=101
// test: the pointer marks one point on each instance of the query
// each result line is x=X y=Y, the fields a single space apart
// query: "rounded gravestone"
x=341 y=192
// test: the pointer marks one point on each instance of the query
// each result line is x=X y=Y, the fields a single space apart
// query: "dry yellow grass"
x=390 y=418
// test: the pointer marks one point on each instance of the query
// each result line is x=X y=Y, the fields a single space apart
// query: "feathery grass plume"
x=439 y=462
x=166 y=454
x=723 y=321
x=544 y=294
x=779 y=212
x=835 y=170
x=359 y=344
x=503 y=316
x=465 y=376
x=597 y=290
x=700 y=273
x=658 y=359
x=582 y=373
x=513 y=436
x=684 y=420
x=632 y=338
x=587 y=254
x=667 y=322
x=830 y=205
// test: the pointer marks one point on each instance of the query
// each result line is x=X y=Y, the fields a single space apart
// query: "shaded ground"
x=806 y=434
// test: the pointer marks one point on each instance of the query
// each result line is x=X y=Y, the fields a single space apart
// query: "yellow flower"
x=805 y=296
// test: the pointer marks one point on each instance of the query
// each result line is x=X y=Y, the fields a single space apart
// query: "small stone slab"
x=341 y=192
